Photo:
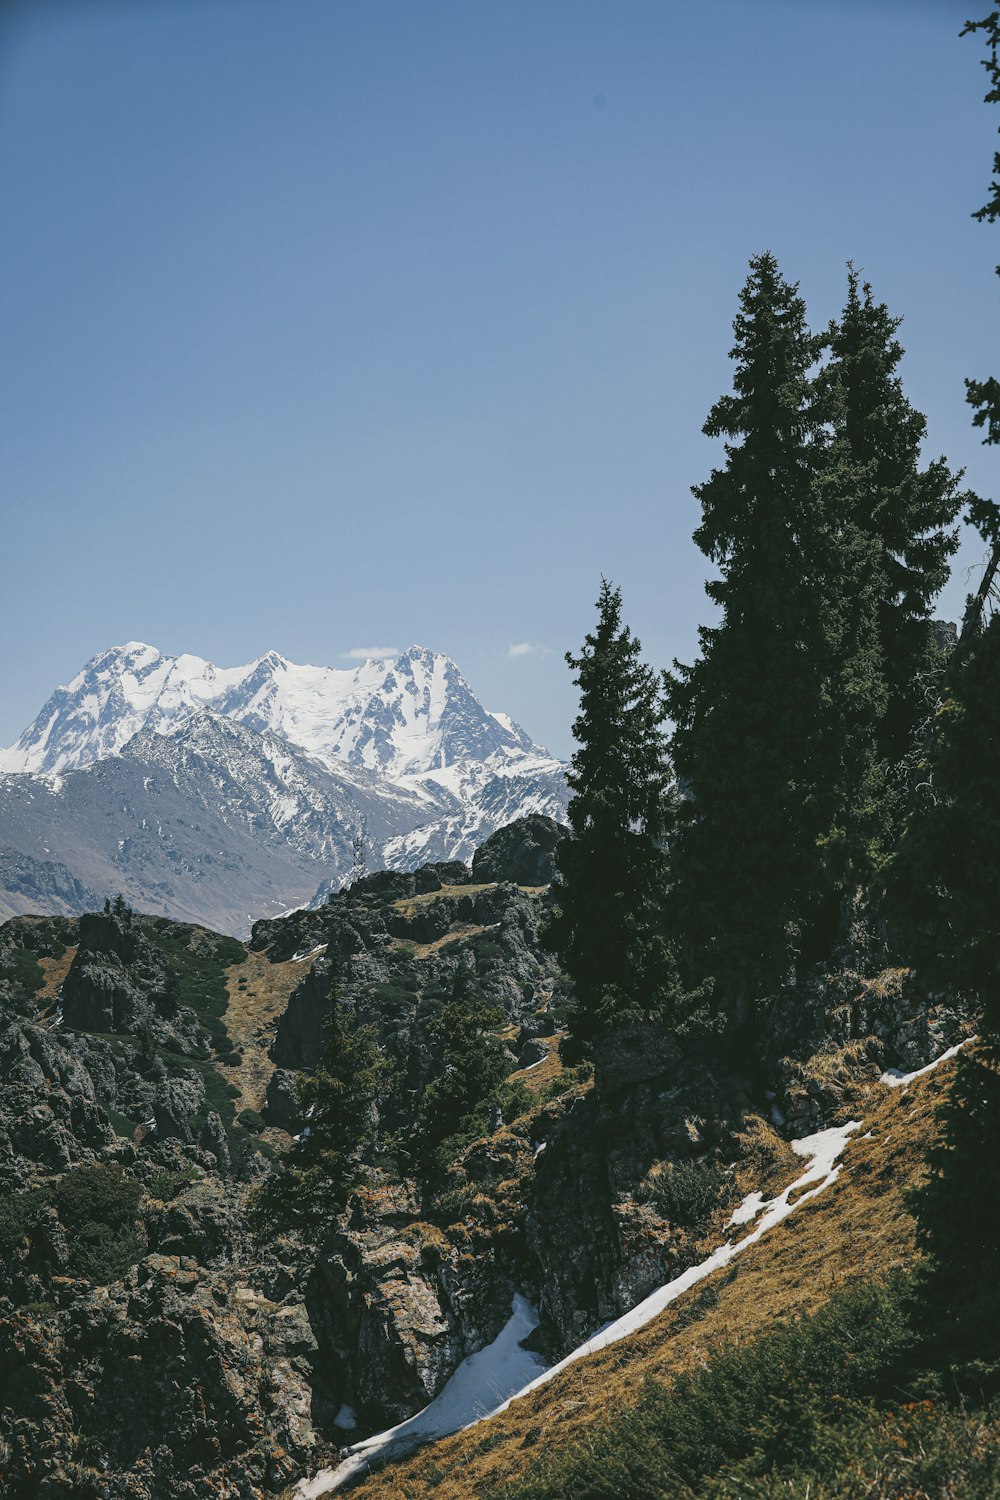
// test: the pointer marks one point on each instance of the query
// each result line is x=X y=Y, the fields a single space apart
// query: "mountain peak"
x=409 y=717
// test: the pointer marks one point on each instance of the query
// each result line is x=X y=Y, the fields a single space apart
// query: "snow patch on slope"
x=894 y=1079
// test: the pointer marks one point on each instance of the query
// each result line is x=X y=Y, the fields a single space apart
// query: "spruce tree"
x=338 y=1104
x=607 y=921
x=754 y=747
x=944 y=895
x=984 y=395
x=906 y=512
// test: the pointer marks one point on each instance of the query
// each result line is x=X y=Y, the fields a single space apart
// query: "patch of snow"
x=748 y=1209
x=894 y=1079
x=301 y=958
x=346 y=1418
x=475 y=1391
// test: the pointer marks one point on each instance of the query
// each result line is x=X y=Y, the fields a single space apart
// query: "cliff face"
x=151 y=1346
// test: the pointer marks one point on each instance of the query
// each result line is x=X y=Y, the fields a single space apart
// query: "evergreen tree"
x=338 y=1104
x=756 y=744
x=944 y=893
x=905 y=513
x=468 y=1091
x=984 y=395
x=607 y=921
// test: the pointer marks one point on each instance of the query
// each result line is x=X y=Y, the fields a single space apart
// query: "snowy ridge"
x=296 y=761
x=401 y=718
x=473 y=1394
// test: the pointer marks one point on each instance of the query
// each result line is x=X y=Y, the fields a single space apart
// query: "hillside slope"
x=150 y=1076
x=858 y=1228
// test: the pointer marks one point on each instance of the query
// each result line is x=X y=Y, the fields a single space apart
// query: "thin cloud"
x=526 y=648
x=365 y=653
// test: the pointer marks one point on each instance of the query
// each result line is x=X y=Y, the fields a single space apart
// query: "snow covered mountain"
x=401 y=717
x=225 y=794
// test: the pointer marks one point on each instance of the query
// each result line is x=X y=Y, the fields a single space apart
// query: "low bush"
x=99 y=1208
x=686 y=1193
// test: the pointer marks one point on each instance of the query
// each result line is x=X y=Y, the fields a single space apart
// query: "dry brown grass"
x=251 y=1018
x=423 y=950
x=409 y=905
x=55 y=971
x=541 y=1073
x=857 y=1227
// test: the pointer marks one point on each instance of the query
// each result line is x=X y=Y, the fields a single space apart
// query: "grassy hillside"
x=857 y=1233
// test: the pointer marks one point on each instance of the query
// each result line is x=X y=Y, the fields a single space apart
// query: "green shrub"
x=18 y=1215
x=22 y=971
x=165 y=1184
x=252 y=1120
x=99 y=1208
x=764 y=1406
x=686 y=1193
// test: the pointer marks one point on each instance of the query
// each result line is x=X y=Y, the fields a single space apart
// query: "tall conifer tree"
x=607 y=923
x=944 y=893
x=752 y=743
x=906 y=512
x=984 y=395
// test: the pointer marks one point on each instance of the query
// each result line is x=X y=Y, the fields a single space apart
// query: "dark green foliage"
x=831 y=542
x=607 y=921
x=769 y=1406
x=18 y=1214
x=750 y=746
x=467 y=1091
x=339 y=1104
x=944 y=895
x=195 y=964
x=22 y=971
x=166 y=1184
x=99 y=1208
x=252 y=1120
x=687 y=1193
x=904 y=512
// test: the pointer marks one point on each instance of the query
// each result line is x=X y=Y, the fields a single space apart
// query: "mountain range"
x=220 y=795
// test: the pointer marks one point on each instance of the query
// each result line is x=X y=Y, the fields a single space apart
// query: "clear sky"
x=328 y=324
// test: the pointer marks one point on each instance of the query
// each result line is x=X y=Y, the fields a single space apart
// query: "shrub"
x=686 y=1193
x=99 y=1208
x=18 y=1215
x=166 y=1184
x=764 y=1407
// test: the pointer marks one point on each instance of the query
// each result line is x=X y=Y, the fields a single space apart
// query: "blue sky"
x=338 y=323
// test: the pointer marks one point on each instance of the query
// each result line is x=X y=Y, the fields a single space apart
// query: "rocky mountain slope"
x=222 y=795
x=152 y=1346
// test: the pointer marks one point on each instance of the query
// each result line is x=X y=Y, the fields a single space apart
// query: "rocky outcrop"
x=176 y=1381
x=523 y=852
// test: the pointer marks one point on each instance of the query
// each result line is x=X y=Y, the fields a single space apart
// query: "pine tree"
x=609 y=894
x=905 y=512
x=338 y=1104
x=944 y=895
x=755 y=744
x=984 y=395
